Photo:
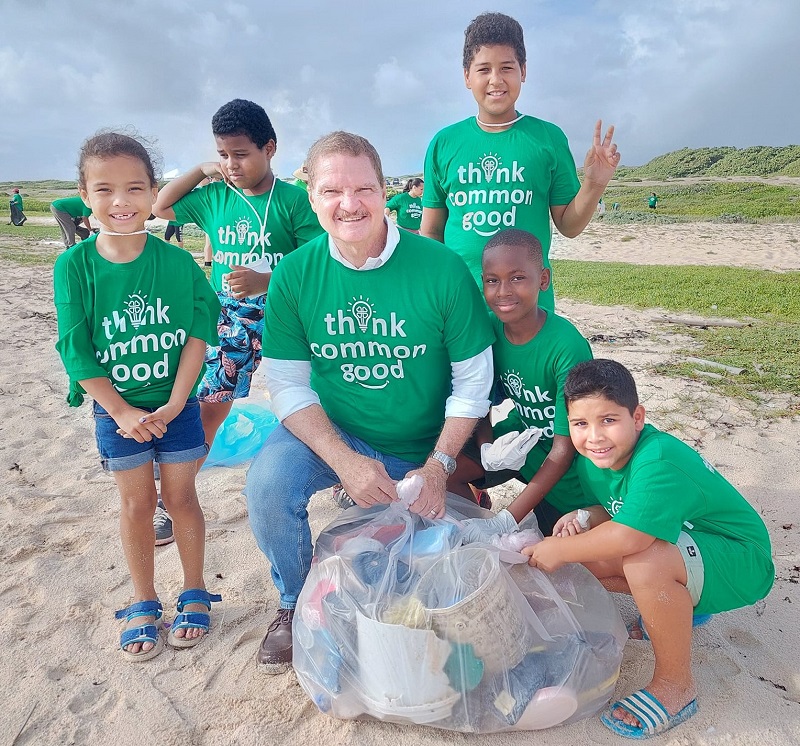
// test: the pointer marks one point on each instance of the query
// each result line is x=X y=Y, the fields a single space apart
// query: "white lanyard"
x=262 y=224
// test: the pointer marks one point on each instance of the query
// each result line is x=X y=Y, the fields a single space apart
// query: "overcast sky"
x=680 y=73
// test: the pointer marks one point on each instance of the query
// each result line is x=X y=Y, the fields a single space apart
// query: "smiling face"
x=603 y=431
x=247 y=165
x=512 y=281
x=348 y=197
x=495 y=78
x=119 y=191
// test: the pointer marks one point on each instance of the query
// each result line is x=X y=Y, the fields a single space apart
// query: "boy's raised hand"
x=602 y=159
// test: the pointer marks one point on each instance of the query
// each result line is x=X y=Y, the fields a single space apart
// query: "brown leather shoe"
x=275 y=652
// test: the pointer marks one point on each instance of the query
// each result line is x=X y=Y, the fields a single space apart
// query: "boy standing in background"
x=502 y=169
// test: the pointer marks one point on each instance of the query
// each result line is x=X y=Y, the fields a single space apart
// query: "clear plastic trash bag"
x=242 y=434
x=400 y=622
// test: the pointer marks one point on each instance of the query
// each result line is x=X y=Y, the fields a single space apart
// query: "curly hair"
x=110 y=144
x=241 y=117
x=493 y=29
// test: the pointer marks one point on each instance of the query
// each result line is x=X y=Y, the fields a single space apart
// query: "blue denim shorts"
x=183 y=441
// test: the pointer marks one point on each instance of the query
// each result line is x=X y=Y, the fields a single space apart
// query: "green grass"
x=770 y=301
x=714 y=200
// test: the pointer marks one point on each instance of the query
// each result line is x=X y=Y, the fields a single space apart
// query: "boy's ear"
x=466 y=78
x=270 y=149
x=545 y=281
x=523 y=71
x=638 y=417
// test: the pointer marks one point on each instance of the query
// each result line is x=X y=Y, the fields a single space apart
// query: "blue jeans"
x=280 y=482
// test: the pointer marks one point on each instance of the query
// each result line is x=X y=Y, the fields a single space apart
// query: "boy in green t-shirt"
x=502 y=169
x=666 y=527
x=534 y=351
x=252 y=220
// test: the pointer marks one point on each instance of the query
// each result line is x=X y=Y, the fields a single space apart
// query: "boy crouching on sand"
x=669 y=530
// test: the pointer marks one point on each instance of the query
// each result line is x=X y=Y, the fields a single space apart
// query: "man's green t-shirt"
x=381 y=341
x=488 y=181
x=408 y=209
x=237 y=228
x=129 y=322
x=667 y=487
x=73 y=206
x=533 y=375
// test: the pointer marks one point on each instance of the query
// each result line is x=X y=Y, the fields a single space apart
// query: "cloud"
x=668 y=75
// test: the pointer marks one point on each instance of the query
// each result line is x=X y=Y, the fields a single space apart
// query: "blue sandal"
x=192 y=619
x=144 y=633
x=652 y=715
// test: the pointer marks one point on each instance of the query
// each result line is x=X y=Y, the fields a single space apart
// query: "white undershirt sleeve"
x=472 y=385
x=289 y=386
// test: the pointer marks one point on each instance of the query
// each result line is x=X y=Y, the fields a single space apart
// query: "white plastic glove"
x=482 y=529
x=509 y=451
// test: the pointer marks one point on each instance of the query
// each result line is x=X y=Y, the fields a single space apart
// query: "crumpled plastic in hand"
x=584 y=519
x=509 y=451
x=408 y=489
x=516 y=541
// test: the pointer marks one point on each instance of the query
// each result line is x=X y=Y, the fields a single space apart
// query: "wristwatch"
x=447 y=462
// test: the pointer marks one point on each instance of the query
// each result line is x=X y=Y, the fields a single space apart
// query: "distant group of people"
x=380 y=359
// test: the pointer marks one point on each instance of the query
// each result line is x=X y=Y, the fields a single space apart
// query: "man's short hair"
x=493 y=29
x=517 y=237
x=240 y=117
x=601 y=378
x=342 y=143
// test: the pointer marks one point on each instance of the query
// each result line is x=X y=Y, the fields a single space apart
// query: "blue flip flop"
x=191 y=619
x=144 y=633
x=698 y=620
x=652 y=715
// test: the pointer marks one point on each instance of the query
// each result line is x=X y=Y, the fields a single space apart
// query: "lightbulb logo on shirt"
x=615 y=504
x=243 y=244
x=488 y=193
x=371 y=340
x=138 y=314
x=535 y=406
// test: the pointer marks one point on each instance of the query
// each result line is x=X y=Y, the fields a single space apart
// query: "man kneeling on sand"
x=378 y=368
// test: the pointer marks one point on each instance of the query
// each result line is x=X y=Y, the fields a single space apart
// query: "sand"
x=64 y=681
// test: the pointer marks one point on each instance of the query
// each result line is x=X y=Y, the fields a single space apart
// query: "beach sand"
x=65 y=682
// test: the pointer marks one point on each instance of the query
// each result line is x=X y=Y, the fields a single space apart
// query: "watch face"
x=448 y=462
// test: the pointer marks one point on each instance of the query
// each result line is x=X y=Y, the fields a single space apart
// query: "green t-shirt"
x=488 y=181
x=302 y=184
x=408 y=209
x=236 y=227
x=380 y=341
x=73 y=206
x=667 y=487
x=17 y=199
x=129 y=322
x=533 y=375
x=652 y=201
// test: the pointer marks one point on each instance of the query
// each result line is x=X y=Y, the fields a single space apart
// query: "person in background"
x=301 y=177
x=408 y=205
x=72 y=216
x=16 y=207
